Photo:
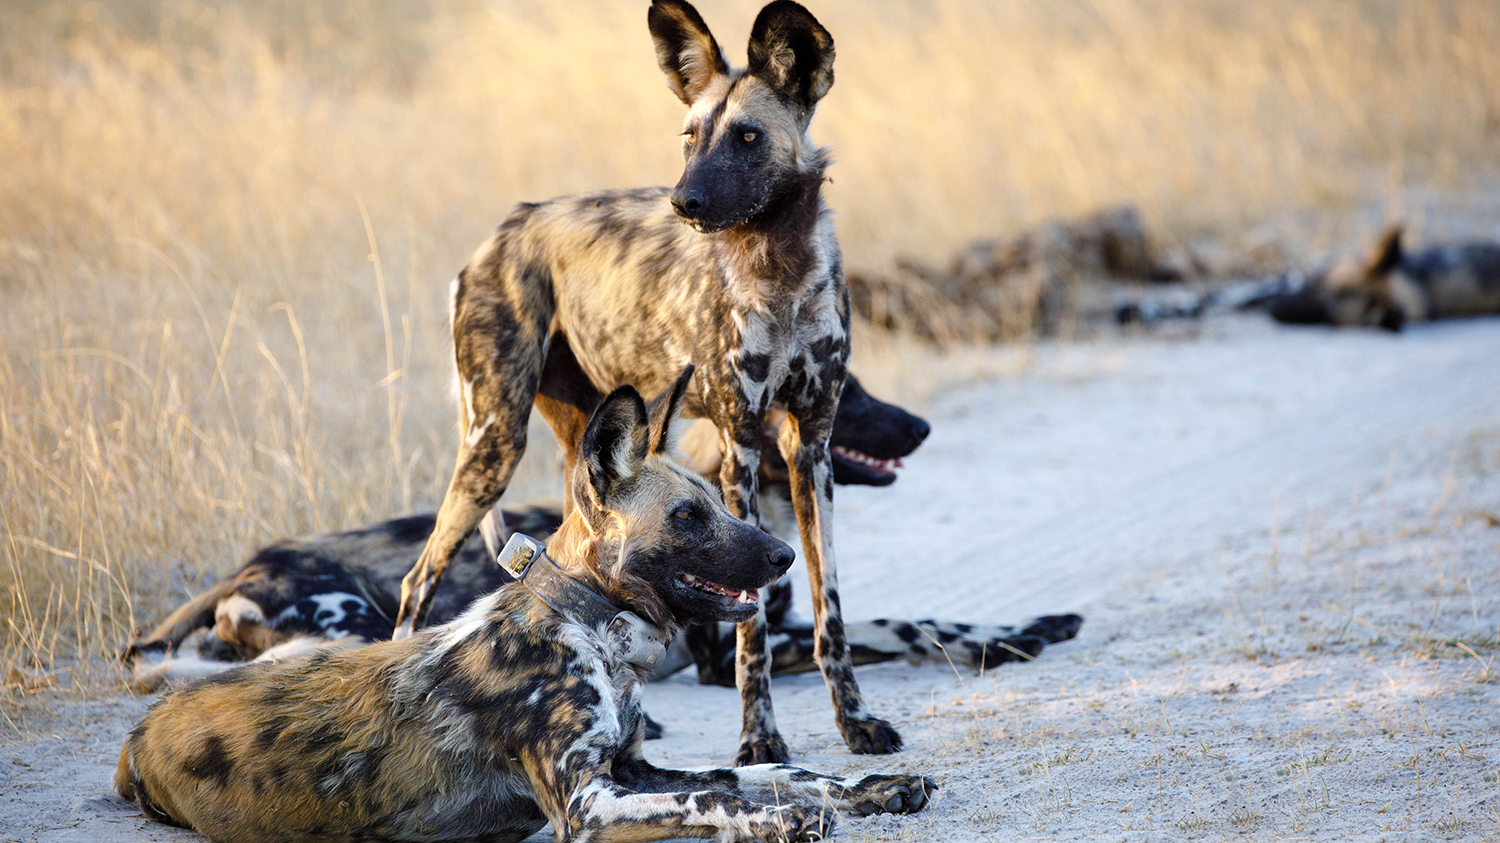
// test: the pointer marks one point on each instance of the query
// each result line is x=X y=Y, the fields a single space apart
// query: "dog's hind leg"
x=501 y=313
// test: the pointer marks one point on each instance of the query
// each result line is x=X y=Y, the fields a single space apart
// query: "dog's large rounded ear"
x=613 y=445
x=1386 y=254
x=665 y=411
x=685 y=49
x=791 y=52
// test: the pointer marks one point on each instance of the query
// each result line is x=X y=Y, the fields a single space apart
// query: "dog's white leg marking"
x=305 y=645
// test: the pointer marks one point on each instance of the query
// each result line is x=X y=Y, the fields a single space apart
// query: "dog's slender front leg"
x=782 y=784
x=603 y=810
x=760 y=741
x=805 y=449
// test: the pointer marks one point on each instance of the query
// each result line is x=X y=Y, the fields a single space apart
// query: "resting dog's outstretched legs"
x=638 y=801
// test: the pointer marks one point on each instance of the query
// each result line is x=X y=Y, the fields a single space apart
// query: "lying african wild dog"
x=340 y=589
x=736 y=270
x=516 y=714
x=347 y=585
x=1391 y=286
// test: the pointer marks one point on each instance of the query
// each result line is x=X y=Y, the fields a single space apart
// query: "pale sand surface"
x=1282 y=542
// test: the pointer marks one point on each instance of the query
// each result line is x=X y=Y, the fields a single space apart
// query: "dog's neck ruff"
x=629 y=635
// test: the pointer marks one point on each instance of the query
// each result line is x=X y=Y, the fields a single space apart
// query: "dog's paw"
x=871 y=736
x=882 y=794
x=797 y=824
x=1054 y=628
x=762 y=749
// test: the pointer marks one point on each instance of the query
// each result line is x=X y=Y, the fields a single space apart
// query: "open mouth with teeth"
x=749 y=597
x=861 y=468
x=703 y=227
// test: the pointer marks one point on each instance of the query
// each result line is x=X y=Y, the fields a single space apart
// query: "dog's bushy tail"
x=973 y=646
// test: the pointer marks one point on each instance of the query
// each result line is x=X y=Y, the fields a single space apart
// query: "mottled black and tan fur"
x=1390 y=286
x=512 y=715
x=736 y=270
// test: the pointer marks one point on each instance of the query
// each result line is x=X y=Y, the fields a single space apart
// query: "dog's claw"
x=765 y=749
x=871 y=736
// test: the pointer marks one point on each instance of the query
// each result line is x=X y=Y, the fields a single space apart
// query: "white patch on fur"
x=468 y=403
x=237 y=609
x=151 y=675
x=305 y=645
x=748 y=457
x=454 y=632
x=620 y=458
x=597 y=666
x=476 y=433
x=332 y=601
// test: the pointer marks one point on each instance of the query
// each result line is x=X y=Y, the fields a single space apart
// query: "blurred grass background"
x=226 y=229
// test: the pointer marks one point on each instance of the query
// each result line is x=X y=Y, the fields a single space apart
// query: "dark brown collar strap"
x=629 y=635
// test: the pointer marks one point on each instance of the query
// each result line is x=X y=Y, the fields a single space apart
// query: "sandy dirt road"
x=1284 y=545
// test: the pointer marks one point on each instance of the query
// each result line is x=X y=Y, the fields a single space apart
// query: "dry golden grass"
x=226 y=229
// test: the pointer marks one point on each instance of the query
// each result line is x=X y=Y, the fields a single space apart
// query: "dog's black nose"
x=781 y=559
x=688 y=202
x=919 y=429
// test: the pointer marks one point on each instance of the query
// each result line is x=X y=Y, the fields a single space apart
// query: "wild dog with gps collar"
x=523 y=711
x=631 y=638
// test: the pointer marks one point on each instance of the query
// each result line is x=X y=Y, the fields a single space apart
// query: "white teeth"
x=748 y=596
x=866 y=459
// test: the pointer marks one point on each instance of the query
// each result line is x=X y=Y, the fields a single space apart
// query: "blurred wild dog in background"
x=1390 y=286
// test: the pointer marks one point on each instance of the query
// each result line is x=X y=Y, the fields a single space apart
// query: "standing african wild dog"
x=1390 y=286
x=736 y=270
x=515 y=714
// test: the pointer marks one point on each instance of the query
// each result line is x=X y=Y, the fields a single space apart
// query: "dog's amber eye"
x=749 y=137
x=683 y=513
x=689 y=138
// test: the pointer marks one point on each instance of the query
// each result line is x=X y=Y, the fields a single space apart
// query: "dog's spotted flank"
x=515 y=714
